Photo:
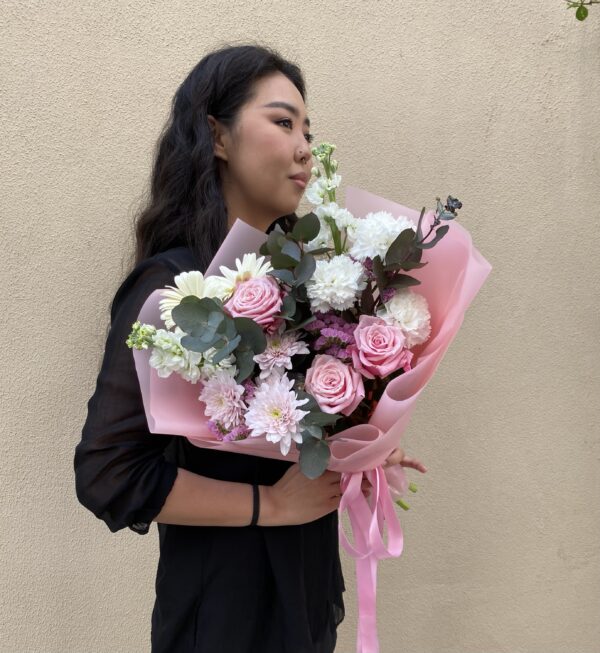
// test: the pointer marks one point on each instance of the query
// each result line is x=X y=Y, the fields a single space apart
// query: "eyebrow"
x=289 y=107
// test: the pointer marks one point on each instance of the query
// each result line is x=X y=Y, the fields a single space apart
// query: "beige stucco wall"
x=496 y=103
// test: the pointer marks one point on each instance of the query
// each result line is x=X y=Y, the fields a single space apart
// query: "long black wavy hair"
x=186 y=204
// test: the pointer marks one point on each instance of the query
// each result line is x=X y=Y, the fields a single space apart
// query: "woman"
x=237 y=134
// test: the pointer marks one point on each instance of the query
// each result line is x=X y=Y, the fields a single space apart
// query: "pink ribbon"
x=368 y=520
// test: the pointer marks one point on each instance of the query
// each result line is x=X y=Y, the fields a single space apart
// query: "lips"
x=302 y=176
x=299 y=182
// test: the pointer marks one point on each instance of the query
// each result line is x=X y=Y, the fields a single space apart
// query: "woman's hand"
x=398 y=457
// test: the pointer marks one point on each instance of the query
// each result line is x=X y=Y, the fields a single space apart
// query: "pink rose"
x=260 y=299
x=380 y=348
x=336 y=387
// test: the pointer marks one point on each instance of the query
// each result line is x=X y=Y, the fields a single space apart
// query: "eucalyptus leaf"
x=287 y=276
x=225 y=351
x=306 y=228
x=439 y=234
x=288 y=307
x=403 y=281
x=280 y=260
x=401 y=246
x=314 y=457
x=379 y=273
x=312 y=431
x=195 y=344
x=244 y=361
x=292 y=250
x=305 y=269
x=321 y=419
x=252 y=335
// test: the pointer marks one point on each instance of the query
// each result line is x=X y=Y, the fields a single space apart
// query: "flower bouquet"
x=315 y=336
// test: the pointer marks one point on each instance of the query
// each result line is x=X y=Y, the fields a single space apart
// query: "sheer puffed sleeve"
x=121 y=474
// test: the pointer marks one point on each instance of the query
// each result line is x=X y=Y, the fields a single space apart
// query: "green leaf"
x=312 y=431
x=403 y=281
x=439 y=234
x=419 y=232
x=287 y=276
x=196 y=344
x=225 y=351
x=308 y=320
x=367 y=302
x=379 y=273
x=401 y=246
x=305 y=269
x=245 y=364
x=264 y=249
x=292 y=250
x=320 y=250
x=306 y=228
x=252 y=335
x=581 y=13
x=412 y=265
x=280 y=260
x=321 y=419
x=311 y=404
x=275 y=242
x=288 y=307
x=314 y=457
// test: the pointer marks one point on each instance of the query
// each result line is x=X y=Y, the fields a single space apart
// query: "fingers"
x=414 y=463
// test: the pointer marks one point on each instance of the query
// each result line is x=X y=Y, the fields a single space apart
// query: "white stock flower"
x=273 y=412
x=189 y=283
x=342 y=218
x=169 y=356
x=374 y=234
x=335 y=283
x=316 y=192
x=410 y=311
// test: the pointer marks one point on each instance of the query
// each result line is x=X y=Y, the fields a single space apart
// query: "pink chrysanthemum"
x=278 y=354
x=273 y=412
x=223 y=398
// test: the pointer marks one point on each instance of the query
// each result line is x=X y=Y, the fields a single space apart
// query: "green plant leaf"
x=287 y=276
x=291 y=249
x=306 y=228
x=197 y=344
x=581 y=13
x=225 y=351
x=401 y=246
x=244 y=361
x=305 y=269
x=379 y=273
x=314 y=457
x=251 y=333
x=403 y=281
x=439 y=234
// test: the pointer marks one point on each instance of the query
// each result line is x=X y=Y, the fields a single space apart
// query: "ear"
x=218 y=134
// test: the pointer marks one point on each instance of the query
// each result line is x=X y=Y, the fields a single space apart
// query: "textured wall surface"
x=495 y=103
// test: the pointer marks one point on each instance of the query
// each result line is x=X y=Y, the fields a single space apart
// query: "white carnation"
x=374 y=234
x=409 y=310
x=336 y=283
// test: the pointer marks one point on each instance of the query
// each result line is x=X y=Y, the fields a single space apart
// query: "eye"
x=309 y=137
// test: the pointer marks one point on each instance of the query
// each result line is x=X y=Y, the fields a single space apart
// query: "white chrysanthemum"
x=277 y=356
x=250 y=267
x=190 y=283
x=222 y=396
x=169 y=356
x=410 y=311
x=335 y=283
x=374 y=234
x=273 y=412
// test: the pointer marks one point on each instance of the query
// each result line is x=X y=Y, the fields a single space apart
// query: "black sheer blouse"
x=233 y=589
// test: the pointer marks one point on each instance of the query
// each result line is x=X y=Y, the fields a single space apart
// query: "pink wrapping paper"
x=454 y=273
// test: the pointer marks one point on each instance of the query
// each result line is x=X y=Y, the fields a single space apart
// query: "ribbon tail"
x=366 y=586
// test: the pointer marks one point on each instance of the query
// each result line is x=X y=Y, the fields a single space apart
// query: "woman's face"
x=269 y=145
